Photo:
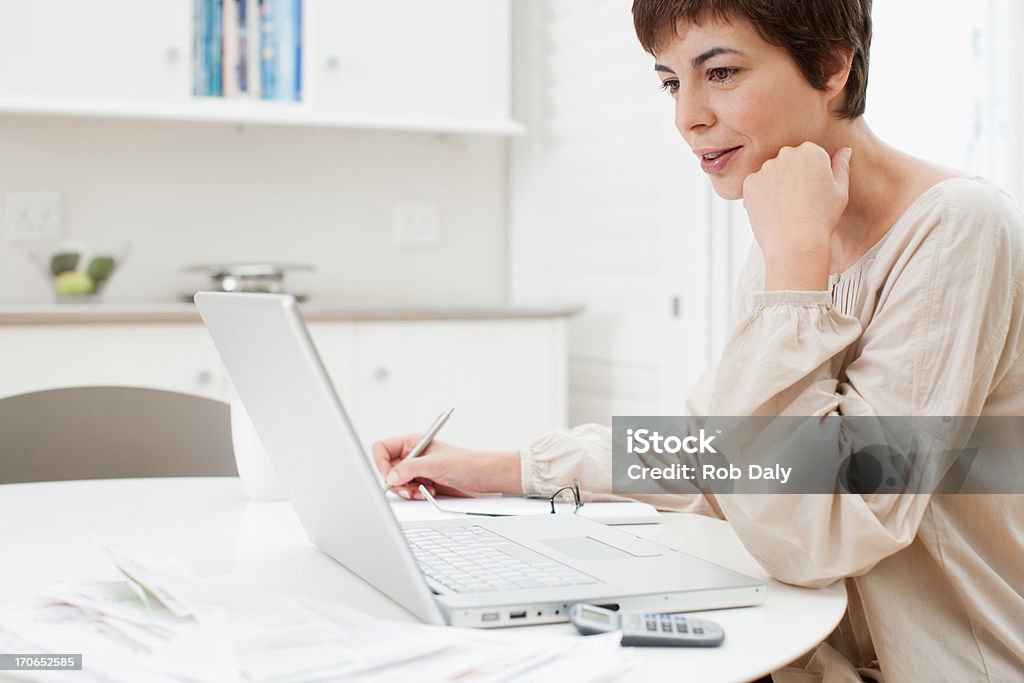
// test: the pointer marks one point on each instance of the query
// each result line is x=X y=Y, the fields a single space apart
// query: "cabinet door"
x=410 y=59
x=106 y=49
x=335 y=343
x=172 y=357
x=505 y=379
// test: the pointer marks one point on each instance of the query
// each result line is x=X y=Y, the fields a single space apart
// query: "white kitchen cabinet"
x=170 y=357
x=506 y=378
x=97 y=50
x=335 y=342
x=409 y=58
x=438 y=66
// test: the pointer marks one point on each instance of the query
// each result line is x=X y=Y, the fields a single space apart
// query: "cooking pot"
x=248 y=277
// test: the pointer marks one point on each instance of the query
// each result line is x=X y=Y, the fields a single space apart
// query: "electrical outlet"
x=416 y=225
x=33 y=216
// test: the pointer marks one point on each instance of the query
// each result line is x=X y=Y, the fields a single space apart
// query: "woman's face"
x=739 y=100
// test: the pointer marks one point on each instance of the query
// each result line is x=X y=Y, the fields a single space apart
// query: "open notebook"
x=628 y=512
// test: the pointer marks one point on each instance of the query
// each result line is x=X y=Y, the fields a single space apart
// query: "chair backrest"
x=113 y=432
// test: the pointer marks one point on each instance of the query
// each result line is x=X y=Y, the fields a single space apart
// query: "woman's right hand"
x=441 y=467
x=794 y=203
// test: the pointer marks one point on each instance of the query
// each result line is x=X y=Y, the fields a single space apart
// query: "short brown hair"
x=811 y=31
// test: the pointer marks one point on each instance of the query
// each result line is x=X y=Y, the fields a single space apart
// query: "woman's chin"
x=728 y=188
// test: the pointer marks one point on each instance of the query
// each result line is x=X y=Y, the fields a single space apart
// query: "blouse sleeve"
x=932 y=348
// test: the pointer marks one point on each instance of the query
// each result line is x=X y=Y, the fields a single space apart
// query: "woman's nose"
x=692 y=111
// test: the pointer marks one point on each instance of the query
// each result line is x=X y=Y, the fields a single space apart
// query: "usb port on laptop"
x=517 y=615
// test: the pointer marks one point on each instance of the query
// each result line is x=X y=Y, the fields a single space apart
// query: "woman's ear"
x=838 y=74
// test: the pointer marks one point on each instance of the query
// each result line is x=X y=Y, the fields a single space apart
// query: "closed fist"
x=795 y=201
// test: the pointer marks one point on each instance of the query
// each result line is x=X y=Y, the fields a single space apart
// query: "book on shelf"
x=280 y=49
x=252 y=47
x=247 y=48
x=242 y=54
x=214 y=45
x=230 y=52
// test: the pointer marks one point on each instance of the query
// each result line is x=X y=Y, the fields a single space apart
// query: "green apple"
x=100 y=268
x=73 y=283
x=63 y=262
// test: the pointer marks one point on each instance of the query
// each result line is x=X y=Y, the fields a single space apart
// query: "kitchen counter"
x=89 y=314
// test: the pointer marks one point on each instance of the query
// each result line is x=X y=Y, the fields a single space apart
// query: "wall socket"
x=33 y=216
x=416 y=225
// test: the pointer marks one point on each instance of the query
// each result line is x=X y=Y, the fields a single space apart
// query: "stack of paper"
x=161 y=624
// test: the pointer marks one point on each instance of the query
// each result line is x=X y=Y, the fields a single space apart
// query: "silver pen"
x=425 y=440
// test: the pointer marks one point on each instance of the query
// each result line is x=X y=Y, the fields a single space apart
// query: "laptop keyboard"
x=471 y=559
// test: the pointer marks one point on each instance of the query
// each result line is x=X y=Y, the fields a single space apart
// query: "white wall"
x=952 y=93
x=195 y=193
x=1016 y=32
x=609 y=209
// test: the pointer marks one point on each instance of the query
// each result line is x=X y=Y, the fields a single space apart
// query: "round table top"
x=50 y=531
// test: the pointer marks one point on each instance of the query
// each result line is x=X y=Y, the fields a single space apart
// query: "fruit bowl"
x=79 y=272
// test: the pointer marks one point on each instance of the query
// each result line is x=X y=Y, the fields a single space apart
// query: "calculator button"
x=682 y=627
x=652 y=626
x=698 y=630
x=667 y=627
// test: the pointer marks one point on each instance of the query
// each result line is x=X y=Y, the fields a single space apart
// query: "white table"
x=47 y=534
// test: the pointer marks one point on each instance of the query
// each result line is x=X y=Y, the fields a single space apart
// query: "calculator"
x=639 y=628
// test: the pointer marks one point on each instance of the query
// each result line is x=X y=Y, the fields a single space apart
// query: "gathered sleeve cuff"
x=783 y=356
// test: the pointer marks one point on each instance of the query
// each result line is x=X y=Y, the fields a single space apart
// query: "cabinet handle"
x=204 y=378
x=381 y=373
x=172 y=54
x=332 y=62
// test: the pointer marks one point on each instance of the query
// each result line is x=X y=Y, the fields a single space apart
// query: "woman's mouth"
x=714 y=162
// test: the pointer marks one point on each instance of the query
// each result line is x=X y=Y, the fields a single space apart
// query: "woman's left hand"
x=794 y=203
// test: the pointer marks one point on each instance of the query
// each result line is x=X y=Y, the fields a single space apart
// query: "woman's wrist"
x=803 y=271
x=501 y=472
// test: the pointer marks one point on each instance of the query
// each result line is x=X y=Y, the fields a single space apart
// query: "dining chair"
x=113 y=432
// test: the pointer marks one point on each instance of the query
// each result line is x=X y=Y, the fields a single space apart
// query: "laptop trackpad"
x=586 y=548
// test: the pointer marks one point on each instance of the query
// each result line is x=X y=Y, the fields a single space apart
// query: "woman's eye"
x=671 y=85
x=722 y=74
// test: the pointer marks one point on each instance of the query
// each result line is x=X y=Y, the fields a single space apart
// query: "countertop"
x=86 y=314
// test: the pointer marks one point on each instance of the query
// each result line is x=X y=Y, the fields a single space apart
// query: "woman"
x=880 y=285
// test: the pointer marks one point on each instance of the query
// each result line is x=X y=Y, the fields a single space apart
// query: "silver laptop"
x=481 y=572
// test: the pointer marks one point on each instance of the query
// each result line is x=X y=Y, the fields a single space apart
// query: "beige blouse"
x=929 y=322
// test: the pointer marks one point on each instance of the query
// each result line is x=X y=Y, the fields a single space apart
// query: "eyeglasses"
x=577 y=499
x=574 y=490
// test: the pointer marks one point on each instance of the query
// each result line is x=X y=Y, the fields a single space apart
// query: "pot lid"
x=220 y=270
